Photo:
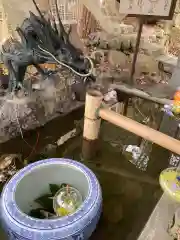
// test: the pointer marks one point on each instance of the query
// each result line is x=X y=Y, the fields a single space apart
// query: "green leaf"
x=46 y=202
x=36 y=213
x=54 y=188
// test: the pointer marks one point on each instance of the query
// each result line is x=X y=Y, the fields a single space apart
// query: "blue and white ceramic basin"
x=18 y=197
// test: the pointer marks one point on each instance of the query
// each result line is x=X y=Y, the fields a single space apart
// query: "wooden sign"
x=157 y=8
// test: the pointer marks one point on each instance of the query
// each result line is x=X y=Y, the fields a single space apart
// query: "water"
x=129 y=195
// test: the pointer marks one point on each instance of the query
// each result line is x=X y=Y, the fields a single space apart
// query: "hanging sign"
x=156 y=8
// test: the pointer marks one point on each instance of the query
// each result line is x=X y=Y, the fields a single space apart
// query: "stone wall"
x=53 y=96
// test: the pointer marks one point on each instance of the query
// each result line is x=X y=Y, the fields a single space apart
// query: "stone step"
x=126 y=41
x=167 y=62
x=120 y=28
x=125 y=28
x=152 y=49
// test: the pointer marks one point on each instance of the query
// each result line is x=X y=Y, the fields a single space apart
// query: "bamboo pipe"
x=141 y=130
x=138 y=93
x=92 y=123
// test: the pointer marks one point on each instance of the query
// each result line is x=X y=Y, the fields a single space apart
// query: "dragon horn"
x=38 y=10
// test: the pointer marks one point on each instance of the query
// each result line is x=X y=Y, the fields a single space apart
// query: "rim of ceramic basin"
x=8 y=196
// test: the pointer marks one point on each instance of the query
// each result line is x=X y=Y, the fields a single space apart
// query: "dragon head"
x=51 y=42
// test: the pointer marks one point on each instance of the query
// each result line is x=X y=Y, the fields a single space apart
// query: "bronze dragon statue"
x=41 y=41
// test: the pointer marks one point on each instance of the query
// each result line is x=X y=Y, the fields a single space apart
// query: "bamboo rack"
x=92 y=123
x=94 y=112
x=138 y=93
x=141 y=130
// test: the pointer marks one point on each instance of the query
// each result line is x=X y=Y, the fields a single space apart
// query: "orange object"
x=51 y=66
x=176 y=102
x=177 y=96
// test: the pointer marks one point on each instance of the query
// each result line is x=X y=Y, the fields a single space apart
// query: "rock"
x=131 y=21
x=174 y=82
x=87 y=42
x=7 y=159
x=79 y=90
x=49 y=150
x=159 y=33
x=113 y=211
x=145 y=64
x=105 y=79
x=114 y=44
x=126 y=42
x=167 y=63
x=126 y=28
x=103 y=44
x=9 y=163
x=96 y=72
x=153 y=38
x=99 y=39
x=98 y=56
x=177 y=20
x=117 y=58
x=152 y=49
x=35 y=109
x=129 y=40
x=154 y=77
